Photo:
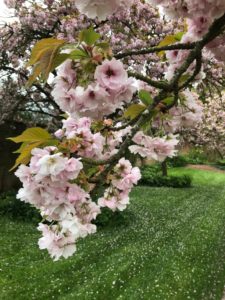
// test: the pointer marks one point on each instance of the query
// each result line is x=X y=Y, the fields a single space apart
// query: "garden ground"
x=168 y=244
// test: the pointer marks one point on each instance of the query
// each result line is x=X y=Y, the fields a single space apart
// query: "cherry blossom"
x=101 y=93
x=124 y=178
x=103 y=97
x=154 y=148
x=100 y=8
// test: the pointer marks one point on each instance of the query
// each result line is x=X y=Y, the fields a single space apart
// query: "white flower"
x=51 y=164
x=97 y=8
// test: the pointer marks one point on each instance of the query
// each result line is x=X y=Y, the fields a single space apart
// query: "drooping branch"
x=216 y=28
x=145 y=116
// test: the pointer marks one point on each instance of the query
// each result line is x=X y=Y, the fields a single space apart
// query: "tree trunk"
x=220 y=154
x=164 y=168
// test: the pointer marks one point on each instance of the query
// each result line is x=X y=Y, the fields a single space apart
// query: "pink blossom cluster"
x=47 y=185
x=191 y=8
x=100 y=8
x=210 y=133
x=121 y=32
x=200 y=15
x=176 y=59
x=51 y=184
x=62 y=20
x=122 y=180
x=109 y=90
x=217 y=47
x=71 y=26
x=87 y=144
x=187 y=114
x=154 y=148
x=13 y=3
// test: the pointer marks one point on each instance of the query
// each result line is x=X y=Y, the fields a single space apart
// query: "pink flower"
x=74 y=127
x=58 y=211
x=124 y=93
x=123 y=167
x=164 y=148
x=100 y=8
x=154 y=148
x=111 y=74
x=57 y=243
x=193 y=113
x=67 y=72
x=94 y=96
x=76 y=194
x=118 y=201
x=110 y=203
x=59 y=133
x=72 y=168
x=127 y=182
x=123 y=179
x=24 y=174
x=65 y=97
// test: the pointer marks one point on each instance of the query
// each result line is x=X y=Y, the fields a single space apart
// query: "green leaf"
x=168 y=100
x=78 y=54
x=25 y=154
x=89 y=36
x=35 y=73
x=168 y=40
x=145 y=97
x=178 y=36
x=20 y=150
x=45 y=58
x=41 y=47
x=104 y=46
x=91 y=171
x=134 y=110
x=35 y=134
x=184 y=78
x=59 y=59
x=31 y=138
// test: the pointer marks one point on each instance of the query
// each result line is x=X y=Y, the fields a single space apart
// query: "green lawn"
x=201 y=177
x=170 y=246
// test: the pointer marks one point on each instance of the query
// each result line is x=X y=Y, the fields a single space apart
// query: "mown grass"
x=170 y=245
x=201 y=177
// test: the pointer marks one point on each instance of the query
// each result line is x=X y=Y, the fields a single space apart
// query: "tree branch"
x=181 y=46
x=215 y=29
x=157 y=84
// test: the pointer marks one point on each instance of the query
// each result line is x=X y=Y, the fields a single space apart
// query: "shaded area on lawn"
x=170 y=246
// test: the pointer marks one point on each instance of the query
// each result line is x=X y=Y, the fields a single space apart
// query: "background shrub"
x=110 y=218
x=151 y=177
x=177 y=161
x=16 y=209
x=196 y=157
x=221 y=164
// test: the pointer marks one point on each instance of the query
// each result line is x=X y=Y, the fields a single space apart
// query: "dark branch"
x=187 y=46
x=157 y=84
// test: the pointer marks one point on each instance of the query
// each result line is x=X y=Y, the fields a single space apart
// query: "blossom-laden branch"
x=214 y=31
x=96 y=91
